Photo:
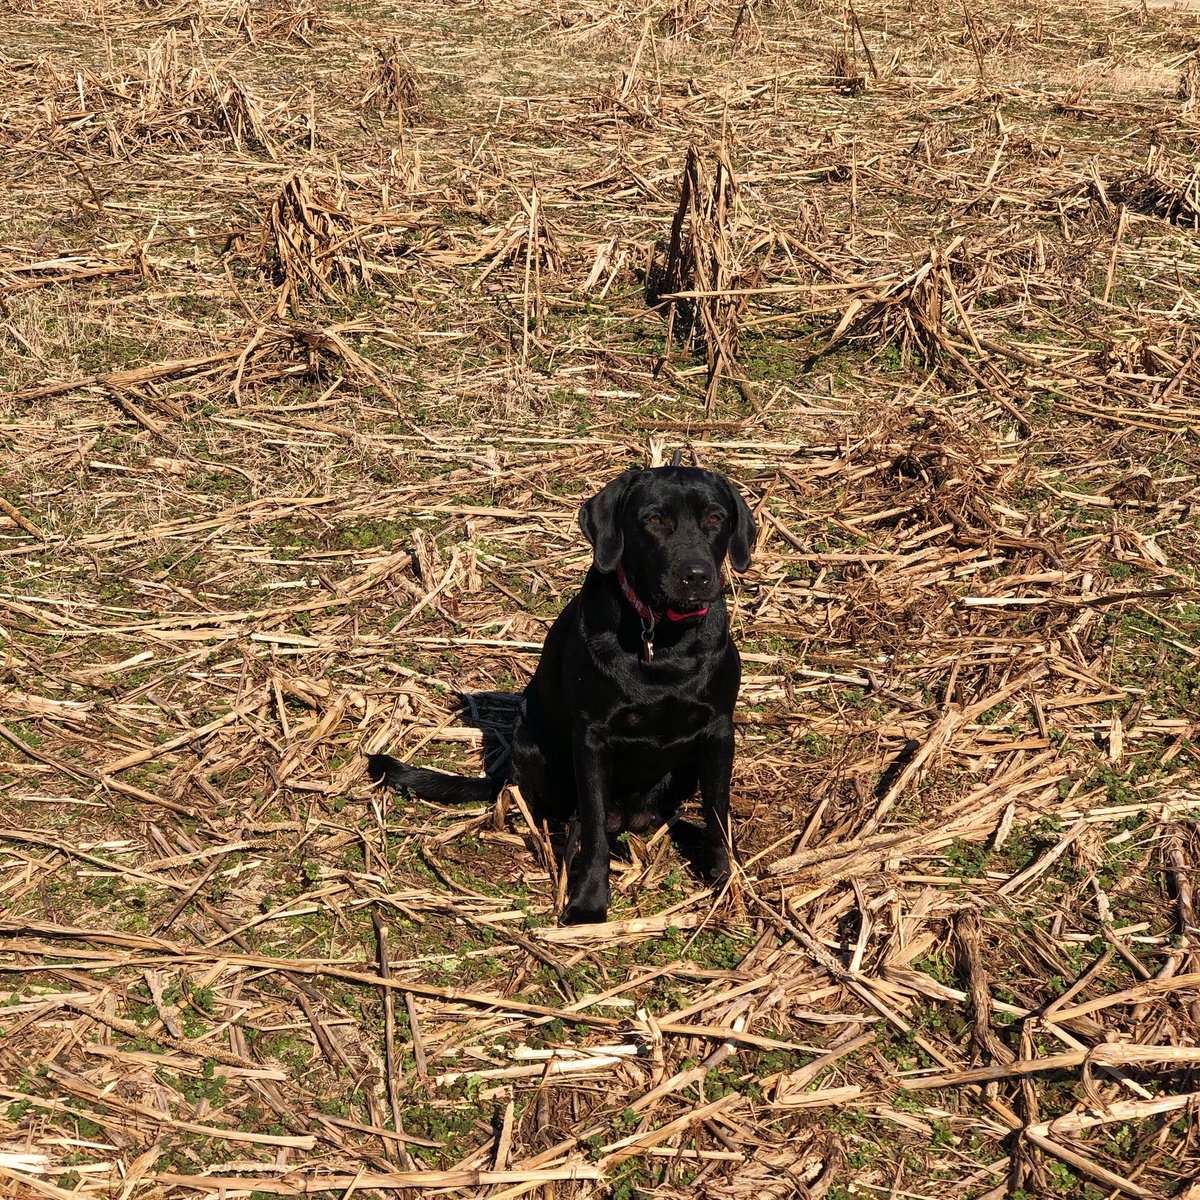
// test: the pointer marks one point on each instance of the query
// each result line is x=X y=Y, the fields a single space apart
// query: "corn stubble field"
x=320 y=320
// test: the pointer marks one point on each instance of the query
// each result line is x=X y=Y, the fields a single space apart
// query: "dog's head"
x=671 y=528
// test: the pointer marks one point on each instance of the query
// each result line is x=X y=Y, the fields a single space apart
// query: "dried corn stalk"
x=699 y=276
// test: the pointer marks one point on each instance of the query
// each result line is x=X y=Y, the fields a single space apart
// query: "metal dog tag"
x=647 y=654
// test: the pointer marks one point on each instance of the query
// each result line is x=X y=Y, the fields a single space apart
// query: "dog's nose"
x=695 y=574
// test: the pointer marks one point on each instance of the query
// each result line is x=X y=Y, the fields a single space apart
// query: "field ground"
x=319 y=319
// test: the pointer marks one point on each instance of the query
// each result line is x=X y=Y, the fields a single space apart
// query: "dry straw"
x=391 y=85
x=300 y=398
x=159 y=98
x=697 y=279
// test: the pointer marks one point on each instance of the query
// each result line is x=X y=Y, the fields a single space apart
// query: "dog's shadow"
x=495 y=715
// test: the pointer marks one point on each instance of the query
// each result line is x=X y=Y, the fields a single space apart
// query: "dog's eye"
x=714 y=520
x=654 y=520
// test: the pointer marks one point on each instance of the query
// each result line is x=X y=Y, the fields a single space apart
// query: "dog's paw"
x=585 y=911
x=716 y=869
x=578 y=914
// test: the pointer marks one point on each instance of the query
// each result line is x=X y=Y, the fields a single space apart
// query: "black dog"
x=631 y=706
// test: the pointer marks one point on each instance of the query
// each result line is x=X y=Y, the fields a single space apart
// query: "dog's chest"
x=660 y=721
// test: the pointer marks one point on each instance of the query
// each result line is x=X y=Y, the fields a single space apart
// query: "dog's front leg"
x=716 y=769
x=587 y=875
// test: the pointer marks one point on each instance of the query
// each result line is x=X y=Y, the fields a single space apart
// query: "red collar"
x=643 y=610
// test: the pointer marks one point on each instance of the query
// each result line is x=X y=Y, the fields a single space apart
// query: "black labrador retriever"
x=631 y=706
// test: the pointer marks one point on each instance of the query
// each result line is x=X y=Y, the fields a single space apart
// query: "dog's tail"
x=434 y=785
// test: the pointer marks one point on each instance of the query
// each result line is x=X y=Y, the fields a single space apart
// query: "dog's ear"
x=600 y=520
x=741 y=541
